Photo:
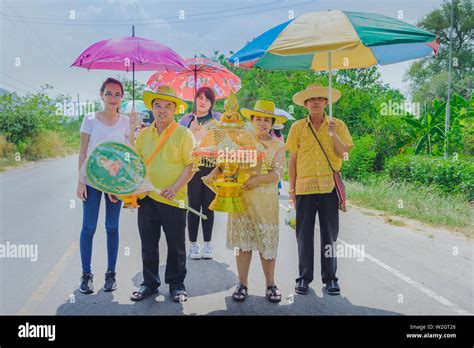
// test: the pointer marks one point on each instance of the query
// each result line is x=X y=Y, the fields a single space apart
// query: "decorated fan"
x=117 y=169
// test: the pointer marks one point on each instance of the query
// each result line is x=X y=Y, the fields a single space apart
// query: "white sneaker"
x=195 y=251
x=207 y=251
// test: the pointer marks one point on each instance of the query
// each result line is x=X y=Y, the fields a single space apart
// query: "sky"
x=41 y=39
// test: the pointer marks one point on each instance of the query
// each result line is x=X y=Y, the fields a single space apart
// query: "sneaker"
x=87 y=285
x=110 y=282
x=207 y=251
x=195 y=251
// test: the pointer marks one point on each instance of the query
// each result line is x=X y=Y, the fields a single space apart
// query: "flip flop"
x=179 y=295
x=142 y=293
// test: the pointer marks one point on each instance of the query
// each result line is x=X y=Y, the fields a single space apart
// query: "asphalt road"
x=398 y=270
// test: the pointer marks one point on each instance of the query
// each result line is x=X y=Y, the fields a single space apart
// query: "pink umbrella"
x=131 y=53
x=201 y=72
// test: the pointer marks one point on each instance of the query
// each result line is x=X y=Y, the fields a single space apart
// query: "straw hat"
x=166 y=93
x=264 y=108
x=313 y=91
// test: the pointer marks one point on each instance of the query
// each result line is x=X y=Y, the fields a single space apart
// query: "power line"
x=27 y=85
x=167 y=22
x=137 y=19
x=14 y=87
x=40 y=48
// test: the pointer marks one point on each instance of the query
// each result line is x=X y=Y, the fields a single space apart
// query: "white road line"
x=407 y=279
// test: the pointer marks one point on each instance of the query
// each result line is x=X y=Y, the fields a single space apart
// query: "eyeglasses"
x=116 y=96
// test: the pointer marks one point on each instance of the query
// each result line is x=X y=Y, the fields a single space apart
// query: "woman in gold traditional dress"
x=257 y=228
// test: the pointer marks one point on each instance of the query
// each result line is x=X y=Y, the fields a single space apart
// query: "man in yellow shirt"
x=166 y=148
x=312 y=186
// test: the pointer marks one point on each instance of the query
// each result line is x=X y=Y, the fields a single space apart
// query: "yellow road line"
x=49 y=281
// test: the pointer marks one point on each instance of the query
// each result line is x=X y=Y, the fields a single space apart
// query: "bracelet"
x=291 y=191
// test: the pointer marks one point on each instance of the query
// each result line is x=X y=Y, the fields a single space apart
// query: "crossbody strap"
x=167 y=134
x=322 y=148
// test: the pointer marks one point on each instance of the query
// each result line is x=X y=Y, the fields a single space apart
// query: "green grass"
x=415 y=202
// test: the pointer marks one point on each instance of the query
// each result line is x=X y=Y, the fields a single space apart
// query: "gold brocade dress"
x=257 y=228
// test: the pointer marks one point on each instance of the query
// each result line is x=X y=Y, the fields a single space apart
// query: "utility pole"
x=450 y=63
x=78 y=107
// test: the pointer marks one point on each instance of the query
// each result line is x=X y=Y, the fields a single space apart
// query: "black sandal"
x=179 y=295
x=272 y=294
x=142 y=293
x=240 y=293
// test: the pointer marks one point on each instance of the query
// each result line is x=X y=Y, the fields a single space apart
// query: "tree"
x=428 y=76
x=23 y=117
x=428 y=131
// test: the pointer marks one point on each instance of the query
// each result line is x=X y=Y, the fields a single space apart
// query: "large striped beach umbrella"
x=336 y=40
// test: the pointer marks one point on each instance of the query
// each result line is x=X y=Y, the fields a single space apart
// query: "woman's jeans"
x=89 y=224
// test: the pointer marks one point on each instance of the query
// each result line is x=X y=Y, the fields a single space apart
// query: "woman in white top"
x=96 y=128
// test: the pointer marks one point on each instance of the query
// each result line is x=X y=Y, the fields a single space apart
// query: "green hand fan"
x=115 y=168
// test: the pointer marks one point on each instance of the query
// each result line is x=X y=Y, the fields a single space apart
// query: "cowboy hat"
x=166 y=93
x=313 y=91
x=264 y=108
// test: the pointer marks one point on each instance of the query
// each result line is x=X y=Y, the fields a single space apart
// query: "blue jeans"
x=89 y=224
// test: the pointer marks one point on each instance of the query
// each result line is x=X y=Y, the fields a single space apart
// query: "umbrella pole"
x=133 y=76
x=330 y=84
x=195 y=83
x=133 y=86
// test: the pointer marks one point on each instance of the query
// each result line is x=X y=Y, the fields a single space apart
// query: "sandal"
x=179 y=295
x=272 y=294
x=142 y=293
x=240 y=293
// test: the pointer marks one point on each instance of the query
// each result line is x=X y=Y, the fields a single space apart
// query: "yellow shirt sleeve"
x=188 y=145
x=293 y=140
x=343 y=133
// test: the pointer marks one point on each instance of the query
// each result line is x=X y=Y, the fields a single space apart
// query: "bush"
x=449 y=176
x=6 y=148
x=23 y=118
x=45 y=145
x=361 y=159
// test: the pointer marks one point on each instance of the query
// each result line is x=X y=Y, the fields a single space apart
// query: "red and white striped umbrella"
x=201 y=72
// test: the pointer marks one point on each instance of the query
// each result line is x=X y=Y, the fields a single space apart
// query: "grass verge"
x=424 y=204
